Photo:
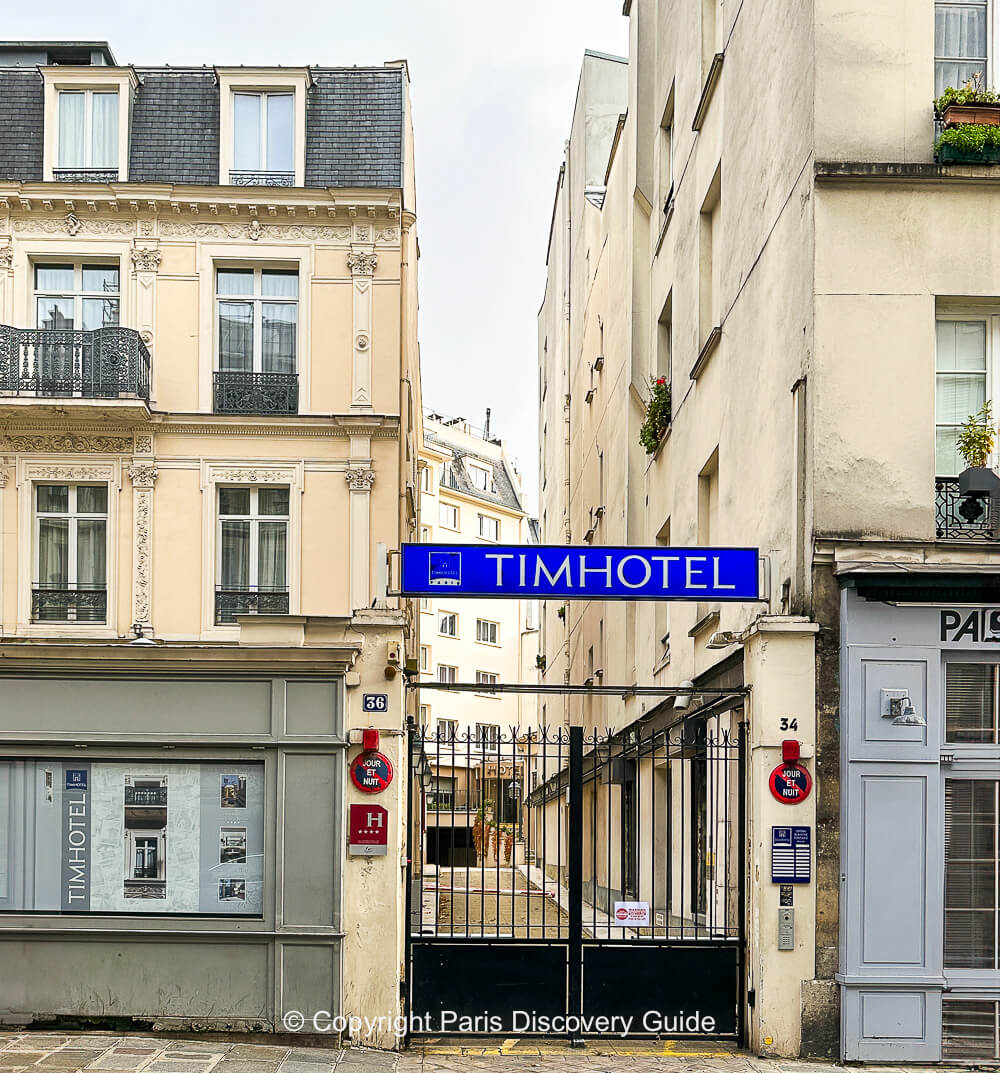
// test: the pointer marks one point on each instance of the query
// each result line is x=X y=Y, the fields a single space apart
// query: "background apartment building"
x=755 y=214
x=470 y=493
x=209 y=432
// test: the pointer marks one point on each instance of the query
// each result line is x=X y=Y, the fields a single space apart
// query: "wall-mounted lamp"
x=722 y=639
x=683 y=700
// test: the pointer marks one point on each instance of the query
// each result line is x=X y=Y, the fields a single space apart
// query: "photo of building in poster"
x=145 y=837
x=132 y=837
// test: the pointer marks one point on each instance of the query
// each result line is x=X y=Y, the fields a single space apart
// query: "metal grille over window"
x=972 y=871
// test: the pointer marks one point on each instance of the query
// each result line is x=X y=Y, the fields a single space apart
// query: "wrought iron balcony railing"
x=85 y=175
x=232 y=602
x=107 y=363
x=69 y=603
x=146 y=796
x=262 y=178
x=256 y=393
x=964 y=517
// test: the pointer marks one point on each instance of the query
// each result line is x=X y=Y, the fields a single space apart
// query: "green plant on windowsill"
x=975 y=444
x=657 y=414
x=975 y=441
x=970 y=138
x=971 y=93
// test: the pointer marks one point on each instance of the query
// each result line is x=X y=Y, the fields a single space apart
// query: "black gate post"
x=575 y=839
x=411 y=732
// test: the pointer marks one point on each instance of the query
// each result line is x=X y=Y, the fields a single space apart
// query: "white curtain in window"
x=961 y=386
x=278 y=324
x=91 y=554
x=235 y=572
x=104 y=131
x=959 y=43
x=71 y=124
x=53 y=553
x=271 y=557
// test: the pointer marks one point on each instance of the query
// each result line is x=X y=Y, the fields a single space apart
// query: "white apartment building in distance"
x=470 y=492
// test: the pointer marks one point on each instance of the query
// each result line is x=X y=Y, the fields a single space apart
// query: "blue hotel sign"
x=580 y=573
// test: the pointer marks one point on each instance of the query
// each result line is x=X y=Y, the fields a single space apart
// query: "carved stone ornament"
x=67 y=443
x=360 y=480
x=4 y=477
x=143 y=474
x=254 y=476
x=72 y=471
x=255 y=229
x=146 y=260
x=362 y=264
x=73 y=223
x=362 y=342
x=6 y=256
x=143 y=444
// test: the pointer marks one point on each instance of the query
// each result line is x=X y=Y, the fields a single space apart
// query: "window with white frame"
x=448 y=515
x=425 y=658
x=487 y=678
x=426 y=478
x=446 y=674
x=447 y=729
x=71 y=553
x=263 y=138
x=487 y=631
x=425 y=714
x=489 y=528
x=252 y=568
x=487 y=735
x=257 y=310
x=480 y=476
x=965 y=352
x=425 y=603
x=448 y=624
x=88 y=130
x=961 y=42
x=80 y=295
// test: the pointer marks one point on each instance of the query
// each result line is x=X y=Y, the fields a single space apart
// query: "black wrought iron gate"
x=587 y=884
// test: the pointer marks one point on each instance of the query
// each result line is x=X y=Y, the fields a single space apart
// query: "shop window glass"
x=133 y=836
x=971 y=697
x=971 y=893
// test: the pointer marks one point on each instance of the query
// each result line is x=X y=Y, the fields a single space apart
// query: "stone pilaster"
x=360 y=478
x=362 y=261
x=143 y=474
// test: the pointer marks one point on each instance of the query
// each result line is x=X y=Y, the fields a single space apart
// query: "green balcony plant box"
x=949 y=154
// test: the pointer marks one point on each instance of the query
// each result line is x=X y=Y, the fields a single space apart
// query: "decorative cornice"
x=146 y=260
x=360 y=480
x=143 y=474
x=69 y=471
x=362 y=263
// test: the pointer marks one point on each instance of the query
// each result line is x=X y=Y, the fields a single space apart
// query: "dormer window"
x=263 y=139
x=86 y=123
x=88 y=133
x=262 y=125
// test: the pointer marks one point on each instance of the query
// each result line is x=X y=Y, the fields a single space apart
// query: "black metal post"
x=743 y=743
x=575 y=839
x=411 y=731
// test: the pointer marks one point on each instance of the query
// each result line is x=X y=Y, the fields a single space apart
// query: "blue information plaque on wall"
x=791 y=854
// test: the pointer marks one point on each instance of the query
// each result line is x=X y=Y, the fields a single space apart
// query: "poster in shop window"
x=133 y=837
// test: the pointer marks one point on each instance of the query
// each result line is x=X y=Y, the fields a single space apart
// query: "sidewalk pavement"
x=72 y=1052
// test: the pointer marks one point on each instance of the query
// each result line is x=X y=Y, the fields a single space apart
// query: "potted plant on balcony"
x=975 y=444
x=970 y=104
x=969 y=143
x=657 y=414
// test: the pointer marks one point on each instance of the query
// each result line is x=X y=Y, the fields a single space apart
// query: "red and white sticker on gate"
x=632 y=914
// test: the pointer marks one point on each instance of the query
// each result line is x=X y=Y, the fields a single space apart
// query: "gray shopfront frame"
x=894 y=981
x=236 y=972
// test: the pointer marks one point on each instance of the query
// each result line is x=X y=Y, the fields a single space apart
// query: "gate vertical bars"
x=611 y=767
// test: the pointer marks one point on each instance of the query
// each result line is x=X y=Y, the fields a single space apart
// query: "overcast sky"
x=492 y=89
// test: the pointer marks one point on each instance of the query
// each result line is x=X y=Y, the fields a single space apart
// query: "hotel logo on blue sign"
x=581 y=573
x=75 y=779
